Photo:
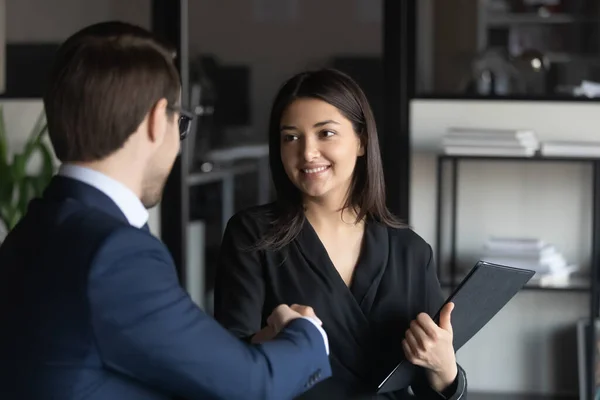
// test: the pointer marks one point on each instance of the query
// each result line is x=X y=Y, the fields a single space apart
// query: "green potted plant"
x=19 y=181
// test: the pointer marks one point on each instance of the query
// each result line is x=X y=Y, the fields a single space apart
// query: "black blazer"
x=395 y=279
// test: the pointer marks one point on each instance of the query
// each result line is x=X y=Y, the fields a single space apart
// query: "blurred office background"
x=487 y=111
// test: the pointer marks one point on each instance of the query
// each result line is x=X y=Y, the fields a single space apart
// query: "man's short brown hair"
x=104 y=81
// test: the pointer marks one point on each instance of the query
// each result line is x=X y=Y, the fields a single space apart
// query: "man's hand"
x=280 y=317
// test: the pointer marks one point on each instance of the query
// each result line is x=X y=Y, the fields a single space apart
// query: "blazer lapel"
x=369 y=270
x=345 y=311
x=315 y=252
x=371 y=265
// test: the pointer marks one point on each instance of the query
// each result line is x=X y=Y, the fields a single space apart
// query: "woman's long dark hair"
x=367 y=189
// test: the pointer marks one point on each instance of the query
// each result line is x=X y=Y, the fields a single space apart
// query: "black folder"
x=481 y=294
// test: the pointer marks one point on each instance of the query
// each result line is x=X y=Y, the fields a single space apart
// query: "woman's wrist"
x=441 y=380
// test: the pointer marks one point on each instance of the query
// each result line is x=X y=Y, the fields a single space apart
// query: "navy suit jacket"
x=91 y=308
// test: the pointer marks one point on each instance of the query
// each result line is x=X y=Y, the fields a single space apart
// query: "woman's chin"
x=315 y=193
x=312 y=188
x=315 y=196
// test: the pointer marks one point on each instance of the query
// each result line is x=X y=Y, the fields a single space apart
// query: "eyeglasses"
x=185 y=120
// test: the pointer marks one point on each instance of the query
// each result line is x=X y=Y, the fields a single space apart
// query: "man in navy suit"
x=90 y=303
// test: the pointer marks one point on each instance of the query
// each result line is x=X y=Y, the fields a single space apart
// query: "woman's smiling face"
x=319 y=148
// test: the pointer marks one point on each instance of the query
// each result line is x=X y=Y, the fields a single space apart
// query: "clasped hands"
x=280 y=317
x=430 y=346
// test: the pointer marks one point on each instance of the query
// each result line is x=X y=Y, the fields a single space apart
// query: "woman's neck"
x=332 y=215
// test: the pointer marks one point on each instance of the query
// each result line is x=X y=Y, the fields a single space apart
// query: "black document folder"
x=481 y=294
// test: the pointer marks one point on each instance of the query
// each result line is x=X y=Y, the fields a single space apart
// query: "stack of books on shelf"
x=490 y=142
x=550 y=266
x=570 y=149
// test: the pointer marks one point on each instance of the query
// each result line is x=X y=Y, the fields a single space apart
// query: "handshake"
x=280 y=317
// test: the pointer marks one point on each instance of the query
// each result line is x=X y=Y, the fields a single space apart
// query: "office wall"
x=279 y=43
x=519 y=350
x=20 y=116
x=41 y=21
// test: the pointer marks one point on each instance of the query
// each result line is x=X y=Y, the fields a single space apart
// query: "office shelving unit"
x=566 y=38
x=593 y=286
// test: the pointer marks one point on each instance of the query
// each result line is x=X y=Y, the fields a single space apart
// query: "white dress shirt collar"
x=124 y=198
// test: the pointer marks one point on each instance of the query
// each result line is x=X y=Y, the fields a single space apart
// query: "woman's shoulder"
x=406 y=244
x=255 y=220
x=408 y=239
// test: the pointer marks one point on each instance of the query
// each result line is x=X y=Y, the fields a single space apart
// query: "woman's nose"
x=311 y=149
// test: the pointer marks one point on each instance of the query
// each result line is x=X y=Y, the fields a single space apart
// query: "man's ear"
x=157 y=121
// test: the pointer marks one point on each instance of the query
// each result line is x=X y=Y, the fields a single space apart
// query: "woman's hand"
x=264 y=335
x=280 y=317
x=430 y=346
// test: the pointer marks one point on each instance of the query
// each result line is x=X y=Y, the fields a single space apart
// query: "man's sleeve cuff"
x=323 y=333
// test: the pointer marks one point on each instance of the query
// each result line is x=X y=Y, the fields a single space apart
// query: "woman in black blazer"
x=329 y=242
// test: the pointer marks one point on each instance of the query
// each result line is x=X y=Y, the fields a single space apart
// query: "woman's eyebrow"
x=318 y=124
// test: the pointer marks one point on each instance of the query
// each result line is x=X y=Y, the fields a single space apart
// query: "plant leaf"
x=14 y=219
x=3 y=216
x=35 y=136
x=18 y=187
x=40 y=126
x=11 y=217
x=6 y=190
x=23 y=196
x=18 y=168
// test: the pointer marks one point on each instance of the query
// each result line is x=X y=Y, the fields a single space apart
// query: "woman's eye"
x=289 y=138
x=327 y=133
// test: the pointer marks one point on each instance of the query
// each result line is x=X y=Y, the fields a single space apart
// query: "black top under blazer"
x=395 y=279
